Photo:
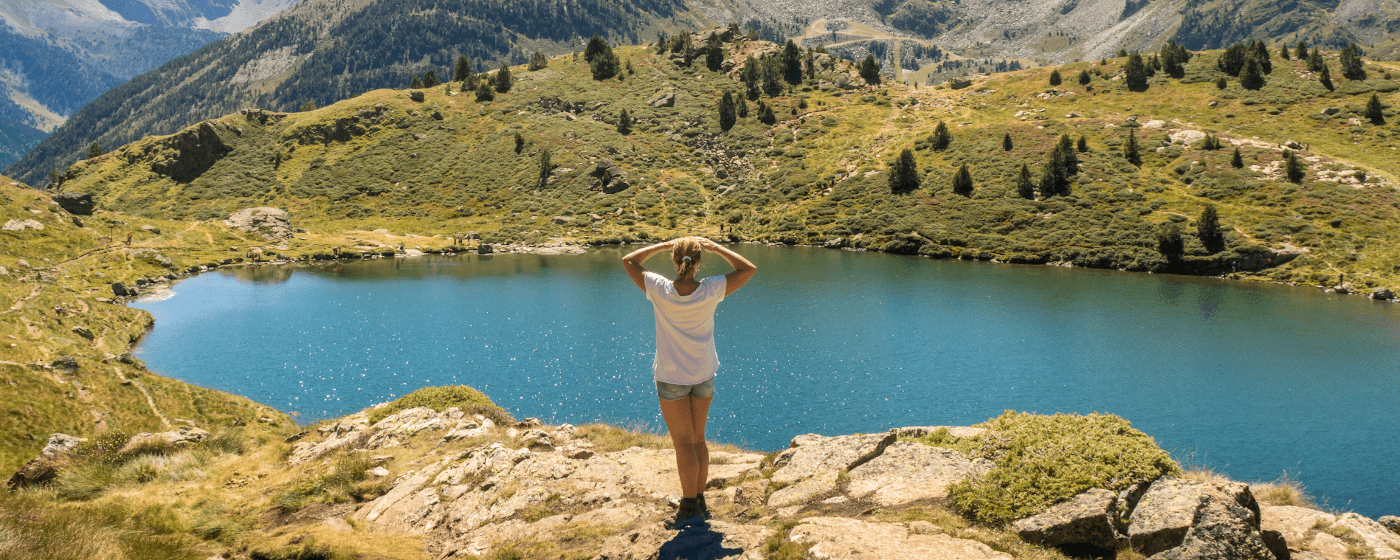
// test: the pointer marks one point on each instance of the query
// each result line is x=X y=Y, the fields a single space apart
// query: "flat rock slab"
x=1088 y=518
x=1381 y=542
x=804 y=491
x=840 y=538
x=1221 y=532
x=908 y=472
x=810 y=454
x=700 y=541
x=1293 y=522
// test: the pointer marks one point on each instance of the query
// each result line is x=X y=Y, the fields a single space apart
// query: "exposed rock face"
x=1383 y=294
x=121 y=290
x=809 y=454
x=44 y=468
x=272 y=222
x=416 y=95
x=1198 y=515
x=907 y=472
x=663 y=99
x=1390 y=522
x=76 y=203
x=842 y=538
x=1089 y=518
x=183 y=435
x=21 y=225
x=186 y=155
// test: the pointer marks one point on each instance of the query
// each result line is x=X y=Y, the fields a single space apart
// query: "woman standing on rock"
x=686 y=359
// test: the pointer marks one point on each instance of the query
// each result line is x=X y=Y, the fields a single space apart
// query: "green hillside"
x=322 y=51
x=817 y=175
x=59 y=361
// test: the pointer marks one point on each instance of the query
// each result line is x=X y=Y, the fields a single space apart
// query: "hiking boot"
x=686 y=513
x=701 y=507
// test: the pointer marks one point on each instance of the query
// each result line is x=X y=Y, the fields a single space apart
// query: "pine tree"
x=596 y=45
x=765 y=114
x=545 y=166
x=95 y=150
x=809 y=64
x=1084 y=78
x=519 y=143
x=1301 y=52
x=1136 y=73
x=1260 y=54
x=605 y=63
x=1130 y=149
x=1048 y=182
x=1220 y=83
x=470 y=82
x=417 y=83
x=1283 y=51
x=1375 y=111
x=1070 y=160
x=484 y=93
x=1208 y=229
x=904 y=173
x=1232 y=60
x=1237 y=161
x=1006 y=141
x=962 y=181
x=308 y=106
x=742 y=107
x=751 y=77
x=1253 y=76
x=1352 y=68
x=1292 y=168
x=1210 y=143
x=792 y=63
x=726 y=112
x=624 y=123
x=714 y=52
x=462 y=69
x=430 y=79
x=1169 y=242
x=941 y=138
x=1083 y=145
x=772 y=76
x=870 y=70
x=538 y=62
x=1325 y=78
x=1315 y=62
x=1122 y=52
x=504 y=81
x=1024 y=187
x=1055 y=77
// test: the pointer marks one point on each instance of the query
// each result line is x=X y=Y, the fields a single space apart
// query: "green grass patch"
x=470 y=400
x=1043 y=460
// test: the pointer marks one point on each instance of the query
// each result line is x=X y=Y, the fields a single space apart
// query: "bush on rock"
x=439 y=399
x=1043 y=460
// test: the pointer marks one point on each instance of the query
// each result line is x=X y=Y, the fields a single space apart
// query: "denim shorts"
x=673 y=392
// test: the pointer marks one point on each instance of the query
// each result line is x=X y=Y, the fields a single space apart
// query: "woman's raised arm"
x=743 y=269
x=633 y=262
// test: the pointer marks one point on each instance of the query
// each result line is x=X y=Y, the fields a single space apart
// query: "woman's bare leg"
x=692 y=455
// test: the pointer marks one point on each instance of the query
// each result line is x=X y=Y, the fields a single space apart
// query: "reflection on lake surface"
x=1253 y=380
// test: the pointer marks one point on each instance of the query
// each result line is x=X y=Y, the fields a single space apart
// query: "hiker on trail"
x=686 y=359
x=128 y=238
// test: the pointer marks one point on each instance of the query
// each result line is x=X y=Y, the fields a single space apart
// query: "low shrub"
x=1043 y=460
x=442 y=398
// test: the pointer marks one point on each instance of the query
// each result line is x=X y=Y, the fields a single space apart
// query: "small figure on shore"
x=336 y=251
x=128 y=238
x=686 y=359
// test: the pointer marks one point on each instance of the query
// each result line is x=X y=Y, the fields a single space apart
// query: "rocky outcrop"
x=44 y=468
x=185 y=155
x=1090 y=518
x=908 y=472
x=1390 y=522
x=21 y=225
x=843 y=538
x=663 y=99
x=1176 y=513
x=178 y=437
x=269 y=221
x=75 y=203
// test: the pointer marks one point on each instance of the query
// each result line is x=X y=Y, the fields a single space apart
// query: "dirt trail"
x=149 y=401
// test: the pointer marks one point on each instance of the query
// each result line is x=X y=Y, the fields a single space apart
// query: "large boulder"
x=809 y=454
x=663 y=99
x=843 y=538
x=1390 y=522
x=271 y=222
x=1090 y=518
x=178 y=437
x=44 y=468
x=21 y=225
x=76 y=203
x=907 y=472
x=1383 y=294
x=1198 y=515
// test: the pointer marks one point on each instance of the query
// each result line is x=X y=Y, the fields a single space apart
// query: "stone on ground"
x=1089 y=518
x=840 y=538
x=907 y=472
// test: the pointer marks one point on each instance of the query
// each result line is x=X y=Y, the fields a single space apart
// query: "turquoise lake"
x=1252 y=380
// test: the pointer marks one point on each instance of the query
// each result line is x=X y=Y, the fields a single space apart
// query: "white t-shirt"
x=685 y=329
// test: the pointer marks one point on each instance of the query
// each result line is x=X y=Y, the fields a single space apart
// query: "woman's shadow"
x=696 y=541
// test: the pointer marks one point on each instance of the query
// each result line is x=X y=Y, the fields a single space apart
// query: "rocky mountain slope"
x=818 y=173
x=323 y=51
